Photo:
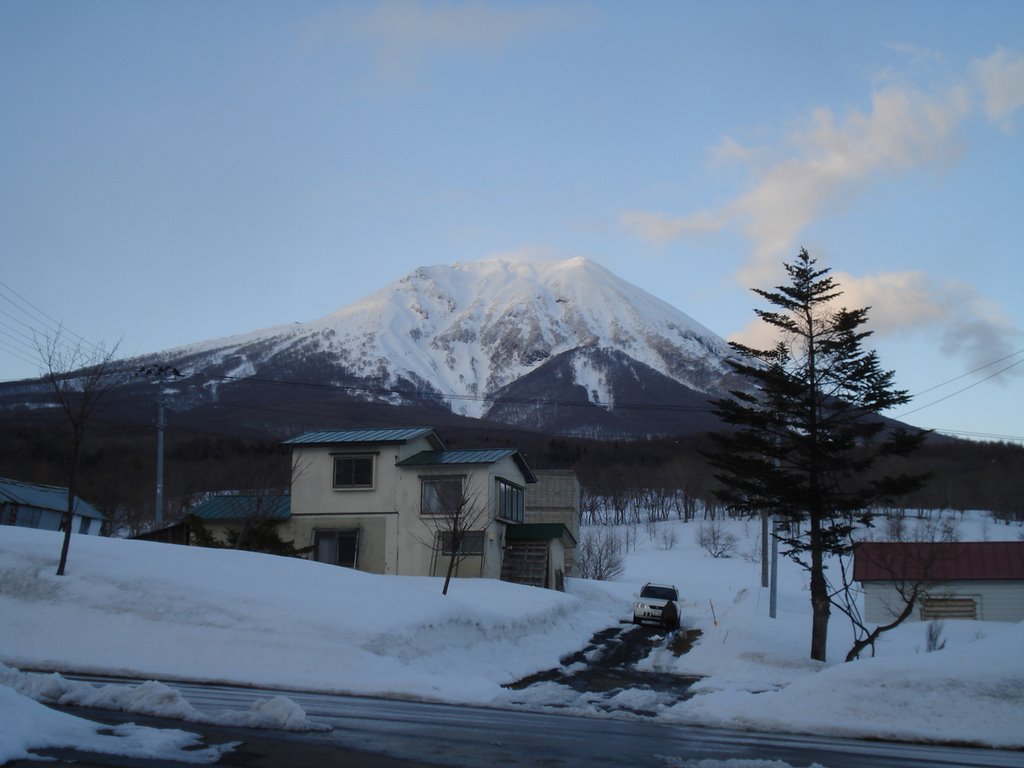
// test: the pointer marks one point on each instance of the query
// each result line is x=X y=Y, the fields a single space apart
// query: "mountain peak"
x=463 y=332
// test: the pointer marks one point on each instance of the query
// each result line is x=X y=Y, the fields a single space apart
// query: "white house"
x=32 y=505
x=380 y=500
x=981 y=580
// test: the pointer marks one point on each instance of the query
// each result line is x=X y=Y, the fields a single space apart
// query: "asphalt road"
x=396 y=734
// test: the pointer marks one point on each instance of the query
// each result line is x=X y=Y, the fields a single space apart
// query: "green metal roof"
x=239 y=506
x=52 y=497
x=541 y=531
x=395 y=435
x=469 y=456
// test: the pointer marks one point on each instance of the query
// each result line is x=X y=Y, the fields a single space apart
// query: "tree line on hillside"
x=637 y=478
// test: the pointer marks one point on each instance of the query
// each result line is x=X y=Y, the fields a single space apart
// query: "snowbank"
x=29 y=725
x=156 y=700
x=156 y=611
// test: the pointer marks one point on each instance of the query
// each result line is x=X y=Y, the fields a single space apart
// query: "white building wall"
x=995 y=600
x=317 y=505
x=394 y=537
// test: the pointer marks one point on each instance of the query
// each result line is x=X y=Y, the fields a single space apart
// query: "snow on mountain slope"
x=469 y=329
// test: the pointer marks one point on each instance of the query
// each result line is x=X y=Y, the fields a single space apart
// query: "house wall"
x=555 y=498
x=393 y=537
x=416 y=532
x=317 y=505
x=995 y=600
x=47 y=519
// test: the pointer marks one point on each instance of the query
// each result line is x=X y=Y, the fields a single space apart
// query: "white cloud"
x=1001 y=79
x=528 y=253
x=916 y=53
x=830 y=159
x=403 y=35
x=965 y=324
x=663 y=228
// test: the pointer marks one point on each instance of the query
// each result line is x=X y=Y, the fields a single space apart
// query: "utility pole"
x=764 y=548
x=773 y=595
x=160 y=372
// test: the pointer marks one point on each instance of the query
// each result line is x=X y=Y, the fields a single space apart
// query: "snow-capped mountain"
x=566 y=347
x=473 y=334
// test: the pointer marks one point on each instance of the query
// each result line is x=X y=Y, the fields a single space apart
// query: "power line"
x=969 y=373
x=960 y=391
x=981 y=435
x=51 y=328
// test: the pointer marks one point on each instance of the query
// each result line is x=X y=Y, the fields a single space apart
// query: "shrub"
x=599 y=554
x=715 y=540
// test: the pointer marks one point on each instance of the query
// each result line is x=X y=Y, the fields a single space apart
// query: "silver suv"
x=658 y=603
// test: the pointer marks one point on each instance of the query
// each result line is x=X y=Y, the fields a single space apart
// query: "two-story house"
x=386 y=501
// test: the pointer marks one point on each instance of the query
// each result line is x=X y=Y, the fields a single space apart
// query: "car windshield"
x=658 y=593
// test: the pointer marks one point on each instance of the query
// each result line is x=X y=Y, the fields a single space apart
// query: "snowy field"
x=163 y=612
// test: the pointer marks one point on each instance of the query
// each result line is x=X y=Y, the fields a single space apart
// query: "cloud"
x=663 y=228
x=916 y=53
x=403 y=35
x=829 y=159
x=1001 y=80
x=906 y=303
x=820 y=167
x=528 y=253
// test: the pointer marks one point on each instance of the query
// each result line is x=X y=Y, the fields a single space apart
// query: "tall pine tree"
x=804 y=438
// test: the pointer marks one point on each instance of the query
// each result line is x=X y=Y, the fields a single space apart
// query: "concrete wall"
x=995 y=600
x=555 y=498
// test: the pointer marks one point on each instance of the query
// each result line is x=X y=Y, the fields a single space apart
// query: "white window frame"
x=336 y=457
x=431 y=480
x=506 y=490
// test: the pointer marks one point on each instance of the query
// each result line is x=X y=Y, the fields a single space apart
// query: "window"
x=472 y=543
x=441 y=495
x=353 y=471
x=511 y=501
x=336 y=547
x=83 y=526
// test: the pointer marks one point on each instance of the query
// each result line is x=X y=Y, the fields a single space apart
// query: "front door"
x=337 y=547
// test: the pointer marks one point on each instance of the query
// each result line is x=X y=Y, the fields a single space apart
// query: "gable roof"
x=51 y=497
x=956 y=561
x=469 y=456
x=239 y=506
x=388 y=436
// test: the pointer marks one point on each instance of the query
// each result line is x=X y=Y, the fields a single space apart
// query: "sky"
x=172 y=172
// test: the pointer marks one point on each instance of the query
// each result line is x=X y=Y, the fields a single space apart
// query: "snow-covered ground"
x=164 y=612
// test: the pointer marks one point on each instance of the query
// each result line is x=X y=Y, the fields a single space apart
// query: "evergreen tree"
x=803 y=439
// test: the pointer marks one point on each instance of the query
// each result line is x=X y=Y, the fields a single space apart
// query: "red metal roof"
x=957 y=561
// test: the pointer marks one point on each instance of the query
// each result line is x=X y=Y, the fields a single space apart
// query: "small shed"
x=535 y=554
x=31 y=505
x=981 y=580
x=226 y=512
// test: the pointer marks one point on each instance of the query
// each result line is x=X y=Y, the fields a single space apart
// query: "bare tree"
x=912 y=567
x=716 y=540
x=599 y=554
x=78 y=376
x=455 y=516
